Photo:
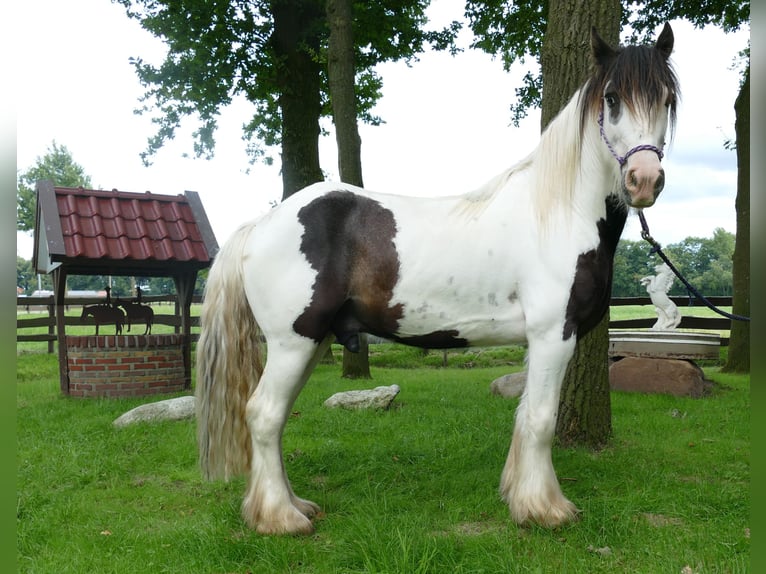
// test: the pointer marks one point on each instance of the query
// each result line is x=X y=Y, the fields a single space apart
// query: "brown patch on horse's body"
x=592 y=286
x=448 y=339
x=349 y=240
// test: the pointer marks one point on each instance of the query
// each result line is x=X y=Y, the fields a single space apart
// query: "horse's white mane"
x=556 y=163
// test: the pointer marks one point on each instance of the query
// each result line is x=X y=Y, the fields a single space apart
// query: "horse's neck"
x=614 y=222
x=572 y=171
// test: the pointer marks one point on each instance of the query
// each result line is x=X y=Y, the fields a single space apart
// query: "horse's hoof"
x=560 y=513
x=295 y=523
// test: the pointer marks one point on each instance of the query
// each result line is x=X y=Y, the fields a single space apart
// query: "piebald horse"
x=527 y=257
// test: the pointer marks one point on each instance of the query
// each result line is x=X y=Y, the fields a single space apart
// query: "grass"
x=412 y=489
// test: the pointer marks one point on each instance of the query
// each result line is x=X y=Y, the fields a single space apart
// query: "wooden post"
x=51 y=328
x=59 y=291
x=185 y=290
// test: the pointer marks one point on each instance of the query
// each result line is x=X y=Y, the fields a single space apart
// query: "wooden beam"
x=185 y=290
x=59 y=290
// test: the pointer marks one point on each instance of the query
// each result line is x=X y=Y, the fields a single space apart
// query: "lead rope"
x=656 y=248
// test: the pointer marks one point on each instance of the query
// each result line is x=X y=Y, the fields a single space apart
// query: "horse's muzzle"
x=642 y=182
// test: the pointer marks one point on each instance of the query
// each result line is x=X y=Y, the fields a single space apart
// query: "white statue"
x=668 y=317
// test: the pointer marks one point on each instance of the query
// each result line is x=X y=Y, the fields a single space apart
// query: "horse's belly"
x=454 y=323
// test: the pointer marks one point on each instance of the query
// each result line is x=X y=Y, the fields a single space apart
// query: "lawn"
x=412 y=489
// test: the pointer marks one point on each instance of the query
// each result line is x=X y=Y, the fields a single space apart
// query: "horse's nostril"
x=660 y=183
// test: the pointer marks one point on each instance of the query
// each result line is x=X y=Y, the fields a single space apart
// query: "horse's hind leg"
x=270 y=506
x=529 y=483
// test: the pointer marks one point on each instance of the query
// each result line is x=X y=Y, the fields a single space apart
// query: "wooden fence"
x=46 y=305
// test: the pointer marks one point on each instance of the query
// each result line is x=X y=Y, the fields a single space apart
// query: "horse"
x=668 y=316
x=136 y=312
x=526 y=257
x=105 y=314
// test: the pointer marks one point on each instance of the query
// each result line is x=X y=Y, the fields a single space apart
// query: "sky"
x=447 y=123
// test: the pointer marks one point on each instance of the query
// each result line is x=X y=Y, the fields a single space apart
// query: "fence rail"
x=47 y=305
x=174 y=320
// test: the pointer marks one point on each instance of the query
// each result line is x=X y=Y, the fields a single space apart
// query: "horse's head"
x=634 y=92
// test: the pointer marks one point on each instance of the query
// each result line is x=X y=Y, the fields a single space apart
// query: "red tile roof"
x=136 y=231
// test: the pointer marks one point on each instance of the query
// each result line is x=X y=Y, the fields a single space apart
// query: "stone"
x=681 y=378
x=509 y=386
x=377 y=398
x=176 y=409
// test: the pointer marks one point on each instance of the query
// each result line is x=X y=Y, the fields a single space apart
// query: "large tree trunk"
x=297 y=24
x=341 y=76
x=739 y=344
x=585 y=415
x=565 y=58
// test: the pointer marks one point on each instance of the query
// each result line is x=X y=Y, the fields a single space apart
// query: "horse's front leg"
x=528 y=482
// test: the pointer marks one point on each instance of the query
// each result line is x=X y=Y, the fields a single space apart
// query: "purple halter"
x=623 y=159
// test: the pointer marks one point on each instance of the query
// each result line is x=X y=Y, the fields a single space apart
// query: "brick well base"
x=125 y=365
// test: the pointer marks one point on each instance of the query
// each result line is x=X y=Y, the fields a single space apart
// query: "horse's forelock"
x=642 y=78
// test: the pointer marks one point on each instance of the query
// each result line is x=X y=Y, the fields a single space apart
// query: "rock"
x=682 y=378
x=168 y=410
x=509 y=386
x=603 y=551
x=377 y=398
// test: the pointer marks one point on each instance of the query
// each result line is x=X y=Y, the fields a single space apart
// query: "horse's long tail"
x=229 y=365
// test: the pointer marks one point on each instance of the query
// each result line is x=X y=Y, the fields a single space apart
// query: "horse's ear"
x=665 y=41
x=603 y=53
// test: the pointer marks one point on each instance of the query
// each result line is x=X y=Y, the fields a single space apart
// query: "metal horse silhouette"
x=138 y=313
x=105 y=314
x=530 y=258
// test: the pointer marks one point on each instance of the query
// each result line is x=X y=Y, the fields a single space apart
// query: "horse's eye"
x=611 y=100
